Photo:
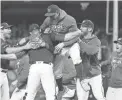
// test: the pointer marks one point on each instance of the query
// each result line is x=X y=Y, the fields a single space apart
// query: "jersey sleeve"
x=3 y=47
x=72 y=25
x=45 y=24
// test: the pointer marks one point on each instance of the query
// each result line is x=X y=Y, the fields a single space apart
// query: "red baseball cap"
x=52 y=9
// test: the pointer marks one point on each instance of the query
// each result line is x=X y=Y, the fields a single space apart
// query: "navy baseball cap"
x=119 y=41
x=87 y=23
x=52 y=9
x=33 y=27
x=5 y=25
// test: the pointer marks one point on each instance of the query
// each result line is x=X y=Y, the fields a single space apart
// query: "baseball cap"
x=119 y=41
x=33 y=27
x=5 y=25
x=87 y=23
x=52 y=9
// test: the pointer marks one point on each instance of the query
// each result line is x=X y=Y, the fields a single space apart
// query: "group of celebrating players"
x=48 y=46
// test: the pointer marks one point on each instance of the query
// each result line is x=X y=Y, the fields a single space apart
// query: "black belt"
x=35 y=62
x=4 y=71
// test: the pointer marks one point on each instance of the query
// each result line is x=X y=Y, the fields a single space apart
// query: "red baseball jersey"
x=62 y=25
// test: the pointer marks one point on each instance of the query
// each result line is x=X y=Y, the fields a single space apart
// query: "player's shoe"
x=62 y=93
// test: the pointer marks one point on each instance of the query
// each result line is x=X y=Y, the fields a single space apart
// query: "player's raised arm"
x=18 y=49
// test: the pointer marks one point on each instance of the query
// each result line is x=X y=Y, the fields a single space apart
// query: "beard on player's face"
x=84 y=30
x=6 y=33
x=55 y=16
x=118 y=47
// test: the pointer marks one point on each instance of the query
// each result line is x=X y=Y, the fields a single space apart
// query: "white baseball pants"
x=114 y=94
x=18 y=95
x=83 y=87
x=41 y=73
x=74 y=52
x=4 y=87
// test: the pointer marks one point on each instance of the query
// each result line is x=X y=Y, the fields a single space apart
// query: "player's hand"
x=17 y=90
x=28 y=46
x=59 y=47
x=22 y=41
x=43 y=44
x=14 y=82
x=47 y=30
x=40 y=43
x=79 y=40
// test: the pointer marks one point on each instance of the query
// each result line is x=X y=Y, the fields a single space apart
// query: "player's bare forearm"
x=70 y=42
x=15 y=49
x=8 y=56
x=72 y=35
x=106 y=62
x=18 y=49
x=67 y=37
x=23 y=41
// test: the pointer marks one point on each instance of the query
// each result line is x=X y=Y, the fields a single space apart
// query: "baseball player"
x=63 y=27
x=89 y=71
x=41 y=67
x=114 y=91
x=6 y=48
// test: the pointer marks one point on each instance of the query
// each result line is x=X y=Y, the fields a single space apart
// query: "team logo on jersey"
x=116 y=61
x=58 y=28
